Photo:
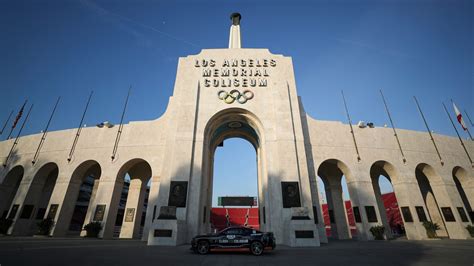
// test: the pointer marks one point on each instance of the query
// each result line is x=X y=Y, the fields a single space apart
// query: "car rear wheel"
x=256 y=248
x=203 y=247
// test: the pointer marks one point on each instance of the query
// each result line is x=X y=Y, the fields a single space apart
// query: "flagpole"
x=45 y=132
x=17 y=137
x=469 y=133
x=429 y=131
x=393 y=127
x=119 y=132
x=6 y=122
x=470 y=121
x=459 y=136
x=350 y=125
x=79 y=129
x=16 y=120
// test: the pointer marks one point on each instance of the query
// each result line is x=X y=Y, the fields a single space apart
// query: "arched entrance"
x=382 y=173
x=465 y=187
x=36 y=200
x=80 y=193
x=133 y=178
x=423 y=174
x=234 y=174
x=9 y=187
x=331 y=173
x=230 y=123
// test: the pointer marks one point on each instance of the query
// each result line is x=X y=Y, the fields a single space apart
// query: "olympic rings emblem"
x=235 y=95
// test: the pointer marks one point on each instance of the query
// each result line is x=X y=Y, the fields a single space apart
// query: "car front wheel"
x=203 y=247
x=256 y=248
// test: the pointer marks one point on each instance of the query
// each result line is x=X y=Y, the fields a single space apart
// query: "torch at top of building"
x=234 y=37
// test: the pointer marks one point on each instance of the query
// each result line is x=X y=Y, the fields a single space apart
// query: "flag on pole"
x=459 y=117
x=18 y=116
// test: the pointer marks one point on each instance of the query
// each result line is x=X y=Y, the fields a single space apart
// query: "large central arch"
x=230 y=123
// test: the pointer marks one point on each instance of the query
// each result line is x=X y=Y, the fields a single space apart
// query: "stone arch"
x=230 y=123
x=331 y=172
x=239 y=115
x=465 y=187
x=387 y=170
x=37 y=199
x=79 y=196
x=9 y=187
x=133 y=215
x=425 y=176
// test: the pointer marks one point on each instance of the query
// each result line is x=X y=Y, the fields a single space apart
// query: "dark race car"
x=234 y=237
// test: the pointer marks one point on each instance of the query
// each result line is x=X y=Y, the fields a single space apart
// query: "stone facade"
x=251 y=94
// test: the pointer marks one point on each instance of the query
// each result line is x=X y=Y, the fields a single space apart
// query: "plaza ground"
x=78 y=251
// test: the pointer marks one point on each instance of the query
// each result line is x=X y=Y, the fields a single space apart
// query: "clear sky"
x=66 y=48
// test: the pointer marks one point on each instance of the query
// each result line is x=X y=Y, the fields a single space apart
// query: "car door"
x=232 y=236
x=243 y=237
x=226 y=237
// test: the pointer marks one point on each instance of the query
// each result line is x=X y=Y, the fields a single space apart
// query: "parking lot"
x=78 y=251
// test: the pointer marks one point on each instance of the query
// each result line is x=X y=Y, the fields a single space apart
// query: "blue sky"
x=66 y=48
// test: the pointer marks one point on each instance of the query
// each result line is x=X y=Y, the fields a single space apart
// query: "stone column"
x=381 y=207
x=455 y=229
x=339 y=229
x=65 y=195
x=28 y=195
x=135 y=199
x=90 y=209
x=362 y=195
x=152 y=198
x=108 y=194
x=17 y=226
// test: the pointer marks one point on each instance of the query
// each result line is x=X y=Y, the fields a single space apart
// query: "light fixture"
x=106 y=124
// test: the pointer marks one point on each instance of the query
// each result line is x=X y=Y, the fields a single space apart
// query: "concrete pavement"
x=79 y=251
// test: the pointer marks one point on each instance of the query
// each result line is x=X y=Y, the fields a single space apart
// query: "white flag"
x=459 y=117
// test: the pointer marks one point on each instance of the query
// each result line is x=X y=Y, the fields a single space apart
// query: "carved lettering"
x=225 y=72
x=206 y=72
x=245 y=72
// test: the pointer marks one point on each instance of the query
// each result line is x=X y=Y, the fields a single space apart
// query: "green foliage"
x=470 y=228
x=45 y=226
x=93 y=229
x=431 y=228
x=5 y=224
x=377 y=231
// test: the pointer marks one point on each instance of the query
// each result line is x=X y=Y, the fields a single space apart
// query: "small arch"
x=136 y=168
x=334 y=167
x=45 y=172
x=387 y=203
x=37 y=199
x=77 y=202
x=462 y=181
x=461 y=174
x=9 y=188
x=425 y=174
x=133 y=179
x=332 y=173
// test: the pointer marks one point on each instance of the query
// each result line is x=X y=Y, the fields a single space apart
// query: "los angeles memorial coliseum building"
x=249 y=94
